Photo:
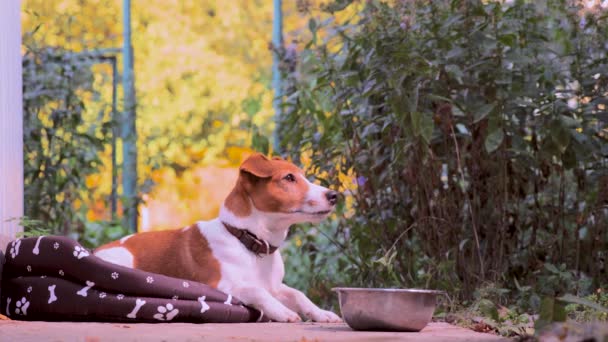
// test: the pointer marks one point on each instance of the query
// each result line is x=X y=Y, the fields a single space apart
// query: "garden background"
x=469 y=138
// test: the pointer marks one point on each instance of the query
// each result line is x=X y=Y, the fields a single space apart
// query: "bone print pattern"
x=8 y=303
x=36 y=249
x=228 y=300
x=52 y=296
x=85 y=290
x=204 y=305
x=138 y=304
x=55 y=286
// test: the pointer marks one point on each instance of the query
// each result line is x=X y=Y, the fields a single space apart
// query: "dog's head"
x=278 y=187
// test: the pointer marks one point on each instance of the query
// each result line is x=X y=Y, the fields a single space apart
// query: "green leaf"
x=488 y=309
x=426 y=128
x=551 y=310
x=483 y=111
x=456 y=52
x=462 y=244
x=455 y=71
x=370 y=129
x=508 y=39
x=259 y=142
x=551 y=268
x=336 y=6
x=251 y=106
x=569 y=158
x=569 y=122
x=493 y=140
x=569 y=298
x=312 y=25
x=416 y=118
x=560 y=135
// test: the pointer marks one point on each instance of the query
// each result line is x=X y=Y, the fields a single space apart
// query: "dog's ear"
x=257 y=165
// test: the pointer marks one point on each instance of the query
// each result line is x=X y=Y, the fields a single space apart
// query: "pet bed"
x=53 y=278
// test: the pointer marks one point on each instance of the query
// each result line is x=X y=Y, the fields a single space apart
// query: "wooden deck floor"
x=16 y=331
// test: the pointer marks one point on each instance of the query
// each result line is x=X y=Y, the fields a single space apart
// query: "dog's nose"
x=332 y=197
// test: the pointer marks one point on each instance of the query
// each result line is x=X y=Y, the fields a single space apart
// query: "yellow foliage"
x=59 y=197
x=196 y=62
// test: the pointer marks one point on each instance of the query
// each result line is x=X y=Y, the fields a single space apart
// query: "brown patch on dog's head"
x=271 y=185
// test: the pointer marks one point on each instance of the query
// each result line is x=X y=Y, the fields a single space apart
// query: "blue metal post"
x=129 y=132
x=277 y=81
x=114 y=195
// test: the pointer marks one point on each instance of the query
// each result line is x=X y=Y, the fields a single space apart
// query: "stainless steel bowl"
x=387 y=309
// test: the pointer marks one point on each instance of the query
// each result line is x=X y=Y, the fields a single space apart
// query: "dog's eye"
x=290 y=178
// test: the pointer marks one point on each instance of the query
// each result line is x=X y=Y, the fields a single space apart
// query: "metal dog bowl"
x=387 y=309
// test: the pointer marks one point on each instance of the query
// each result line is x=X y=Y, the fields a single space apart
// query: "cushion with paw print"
x=54 y=278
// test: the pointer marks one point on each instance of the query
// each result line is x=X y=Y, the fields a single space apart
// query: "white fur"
x=316 y=194
x=116 y=255
x=124 y=239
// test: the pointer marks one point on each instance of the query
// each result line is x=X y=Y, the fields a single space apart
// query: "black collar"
x=251 y=241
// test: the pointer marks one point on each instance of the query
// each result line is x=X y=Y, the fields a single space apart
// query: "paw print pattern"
x=102 y=295
x=56 y=245
x=149 y=280
x=120 y=296
x=176 y=297
x=61 y=273
x=114 y=275
x=14 y=251
x=29 y=268
x=21 y=306
x=29 y=289
x=186 y=284
x=166 y=313
x=80 y=252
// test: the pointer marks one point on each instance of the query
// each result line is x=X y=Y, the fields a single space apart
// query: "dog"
x=237 y=252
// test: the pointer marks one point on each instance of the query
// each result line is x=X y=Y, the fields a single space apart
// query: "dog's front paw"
x=324 y=316
x=283 y=315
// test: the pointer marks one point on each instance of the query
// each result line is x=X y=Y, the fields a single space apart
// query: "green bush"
x=61 y=145
x=476 y=133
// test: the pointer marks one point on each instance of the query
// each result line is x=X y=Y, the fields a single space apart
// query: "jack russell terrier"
x=237 y=252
